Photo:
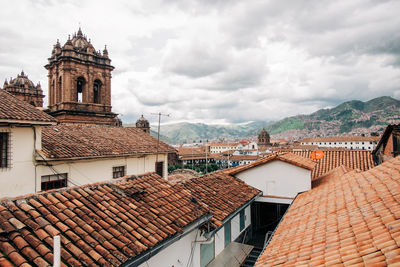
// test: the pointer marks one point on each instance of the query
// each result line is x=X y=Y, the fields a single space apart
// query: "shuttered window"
x=4 y=150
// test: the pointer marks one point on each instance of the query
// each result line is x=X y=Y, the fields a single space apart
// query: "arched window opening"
x=59 y=91
x=79 y=88
x=96 y=91
x=52 y=93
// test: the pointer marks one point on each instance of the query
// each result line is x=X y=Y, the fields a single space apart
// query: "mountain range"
x=349 y=118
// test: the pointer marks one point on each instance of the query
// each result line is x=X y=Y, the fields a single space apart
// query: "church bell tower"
x=80 y=83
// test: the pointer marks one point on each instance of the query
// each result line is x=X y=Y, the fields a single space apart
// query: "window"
x=159 y=168
x=96 y=91
x=80 y=82
x=54 y=181
x=206 y=253
x=4 y=150
x=242 y=219
x=118 y=171
x=227 y=232
x=59 y=93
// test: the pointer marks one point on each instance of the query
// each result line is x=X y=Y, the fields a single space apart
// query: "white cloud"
x=217 y=61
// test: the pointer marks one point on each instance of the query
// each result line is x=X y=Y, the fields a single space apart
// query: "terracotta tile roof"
x=81 y=141
x=243 y=157
x=188 y=157
x=341 y=139
x=223 y=144
x=354 y=159
x=291 y=158
x=223 y=194
x=103 y=224
x=190 y=151
x=13 y=109
x=182 y=175
x=347 y=219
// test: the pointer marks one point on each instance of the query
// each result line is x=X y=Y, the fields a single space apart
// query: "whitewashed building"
x=36 y=154
x=348 y=142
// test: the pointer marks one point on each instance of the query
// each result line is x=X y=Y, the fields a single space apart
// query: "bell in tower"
x=80 y=83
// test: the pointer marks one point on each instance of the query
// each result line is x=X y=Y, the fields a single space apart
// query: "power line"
x=159 y=114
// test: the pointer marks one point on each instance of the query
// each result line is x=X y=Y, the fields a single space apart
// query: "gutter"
x=164 y=244
x=233 y=214
x=105 y=156
x=28 y=122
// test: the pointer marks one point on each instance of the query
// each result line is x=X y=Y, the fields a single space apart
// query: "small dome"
x=142 y=119
x=79 y=42
x=22 y=81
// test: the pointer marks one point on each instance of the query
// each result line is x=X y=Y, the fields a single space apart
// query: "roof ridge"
x=70 y=188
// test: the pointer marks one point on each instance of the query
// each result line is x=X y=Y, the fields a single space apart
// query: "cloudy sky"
x=217 y=61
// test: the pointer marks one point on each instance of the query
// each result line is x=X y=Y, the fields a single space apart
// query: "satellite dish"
x=318 y=154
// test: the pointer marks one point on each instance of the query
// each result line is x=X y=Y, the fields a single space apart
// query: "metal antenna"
x=159 y=114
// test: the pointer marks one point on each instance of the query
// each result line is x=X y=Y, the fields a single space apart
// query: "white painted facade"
x=179 y=253
x=349 y=144
x=19 y=177
x=277 y=178
x=247 y=146
x=221 y=147
x=87 y=171
x=26 y=169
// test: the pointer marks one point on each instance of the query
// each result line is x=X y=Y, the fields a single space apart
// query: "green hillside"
x=344 y=118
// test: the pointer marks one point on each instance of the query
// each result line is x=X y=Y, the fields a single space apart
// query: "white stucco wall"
x=219 y=241
x=277 y=178
x=19 y=179
x=96 y=170
x=357 y=145
x=178 y=253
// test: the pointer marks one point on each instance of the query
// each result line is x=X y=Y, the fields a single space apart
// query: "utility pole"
x=159 y=114
x=206 y=156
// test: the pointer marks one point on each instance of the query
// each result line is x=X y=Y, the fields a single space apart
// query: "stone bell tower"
x=263 y=138
x=143 y=124
x=80 y=83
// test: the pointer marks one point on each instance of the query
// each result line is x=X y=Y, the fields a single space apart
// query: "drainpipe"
x=56 y=252
x=34 y=156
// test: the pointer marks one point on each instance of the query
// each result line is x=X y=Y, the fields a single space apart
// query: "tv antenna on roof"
x=159 y=114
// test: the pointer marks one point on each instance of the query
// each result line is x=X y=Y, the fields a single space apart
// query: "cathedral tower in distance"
x=80 y=83
x=143 y=124
x=263 y=138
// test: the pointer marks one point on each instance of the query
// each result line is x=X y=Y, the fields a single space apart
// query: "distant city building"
x=264 y=138
x=25 y=90
x=349 y=142
x=143 y=124
x=216 y=148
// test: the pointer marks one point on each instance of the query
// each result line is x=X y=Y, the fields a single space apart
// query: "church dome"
x=22 y=81
x=143 y=122
x=79 y=42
